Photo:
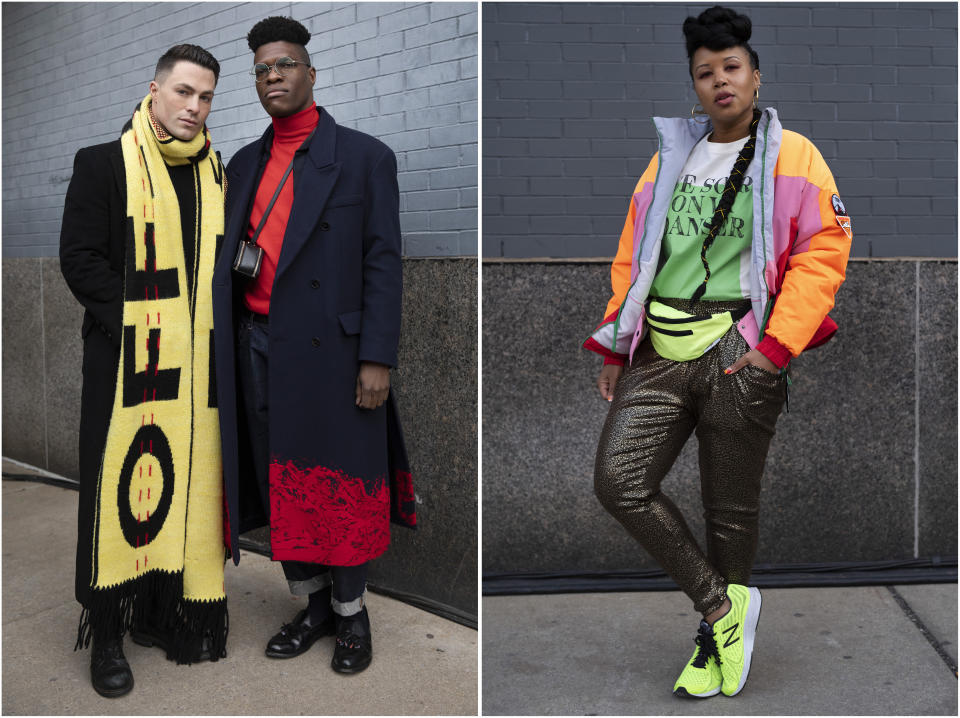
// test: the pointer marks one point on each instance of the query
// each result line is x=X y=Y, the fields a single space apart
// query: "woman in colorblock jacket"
x=735 y=244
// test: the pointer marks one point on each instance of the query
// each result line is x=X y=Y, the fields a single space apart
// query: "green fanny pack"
x=680 y=336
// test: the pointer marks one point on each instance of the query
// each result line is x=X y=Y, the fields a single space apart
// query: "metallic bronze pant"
x=657 y=403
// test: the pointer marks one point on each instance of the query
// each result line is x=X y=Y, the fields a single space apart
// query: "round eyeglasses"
x=282 y=66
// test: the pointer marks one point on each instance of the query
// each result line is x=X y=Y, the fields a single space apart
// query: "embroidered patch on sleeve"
x=841 y=213
x=844 y=223
x=838 y=207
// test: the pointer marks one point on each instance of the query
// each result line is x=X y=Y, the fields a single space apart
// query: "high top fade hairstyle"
x=280 y=29
x=718 y=29
x=186 y=53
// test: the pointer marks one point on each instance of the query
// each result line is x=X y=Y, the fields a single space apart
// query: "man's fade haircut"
x=186 y=53
x=719 y=28
x=279 y=29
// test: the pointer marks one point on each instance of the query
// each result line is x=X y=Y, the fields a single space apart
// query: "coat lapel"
x=311 y=190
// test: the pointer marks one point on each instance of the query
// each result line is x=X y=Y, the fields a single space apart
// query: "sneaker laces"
x=706 y=647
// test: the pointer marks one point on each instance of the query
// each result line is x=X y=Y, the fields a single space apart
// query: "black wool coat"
x=338 y=473
x=91 y=259
x=94 y=239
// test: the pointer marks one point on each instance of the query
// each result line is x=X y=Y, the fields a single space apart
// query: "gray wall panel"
x=435 y=385
x=62 y=350
x=24 y=412
x=937 y=358
x=841 y=476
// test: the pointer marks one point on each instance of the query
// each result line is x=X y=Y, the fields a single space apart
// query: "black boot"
x=149 y=634
x=354 y=648
x=109 y=671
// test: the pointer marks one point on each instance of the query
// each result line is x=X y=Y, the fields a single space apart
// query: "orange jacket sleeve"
x=620 y=270
x=817 y=265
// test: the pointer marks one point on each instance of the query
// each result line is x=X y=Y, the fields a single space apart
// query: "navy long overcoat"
x=338 y=473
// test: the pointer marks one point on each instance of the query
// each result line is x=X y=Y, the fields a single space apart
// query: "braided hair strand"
x=733 y=185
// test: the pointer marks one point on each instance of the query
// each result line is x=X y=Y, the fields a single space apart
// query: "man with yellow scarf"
x=141 y=222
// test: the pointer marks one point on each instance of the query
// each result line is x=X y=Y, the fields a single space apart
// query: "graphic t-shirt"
x=694 y=201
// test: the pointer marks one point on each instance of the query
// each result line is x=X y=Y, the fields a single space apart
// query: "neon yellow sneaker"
x=734 y=634
x=701 y=677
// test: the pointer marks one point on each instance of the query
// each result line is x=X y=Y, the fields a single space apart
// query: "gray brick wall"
x=404 y=72
x=568 y=90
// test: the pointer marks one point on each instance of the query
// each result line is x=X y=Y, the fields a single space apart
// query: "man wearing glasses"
x=309 y=279
x=141 y=221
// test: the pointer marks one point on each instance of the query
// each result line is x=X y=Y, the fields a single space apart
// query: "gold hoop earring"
x=694 y=112
x=756 y=98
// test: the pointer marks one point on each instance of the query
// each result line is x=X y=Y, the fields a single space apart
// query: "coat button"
x=324 y=226
x=315 y=283
x=316 y=341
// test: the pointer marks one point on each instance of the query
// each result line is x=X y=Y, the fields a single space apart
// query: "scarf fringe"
x=198 y=620
x=156 y=598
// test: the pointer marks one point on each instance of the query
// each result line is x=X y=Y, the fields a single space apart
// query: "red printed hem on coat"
x=404 y=500
x=321 y=515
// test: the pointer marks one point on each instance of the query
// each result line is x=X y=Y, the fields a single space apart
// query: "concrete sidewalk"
x=836 y=651
x=422 y=664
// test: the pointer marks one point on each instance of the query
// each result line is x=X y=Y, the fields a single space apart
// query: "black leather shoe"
x=109 y=671
x=354 y=648
x=145 y=634
x=297 y=636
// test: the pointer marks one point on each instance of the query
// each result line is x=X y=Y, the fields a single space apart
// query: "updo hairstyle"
x=719 y=28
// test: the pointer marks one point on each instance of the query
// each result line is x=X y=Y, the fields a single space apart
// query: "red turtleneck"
x=288 y=134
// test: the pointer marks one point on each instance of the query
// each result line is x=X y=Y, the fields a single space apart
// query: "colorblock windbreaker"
x=801 y=242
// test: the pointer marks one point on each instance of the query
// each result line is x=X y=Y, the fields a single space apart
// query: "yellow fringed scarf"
x=159 y=521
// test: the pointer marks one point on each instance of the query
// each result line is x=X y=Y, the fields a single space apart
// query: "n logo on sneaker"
x=730 y=639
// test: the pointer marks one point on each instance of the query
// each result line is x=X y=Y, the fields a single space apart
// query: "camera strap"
x=283 y=180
